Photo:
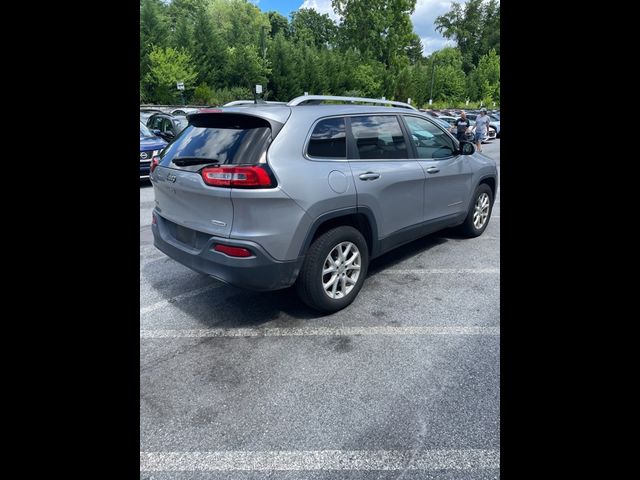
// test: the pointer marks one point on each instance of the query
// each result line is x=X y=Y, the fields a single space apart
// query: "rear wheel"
x=334 y=269
x=479 y=213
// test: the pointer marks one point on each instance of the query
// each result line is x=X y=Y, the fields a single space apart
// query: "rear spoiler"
x=274 y=117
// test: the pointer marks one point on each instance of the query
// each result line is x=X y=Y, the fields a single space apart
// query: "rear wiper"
x=185 y=161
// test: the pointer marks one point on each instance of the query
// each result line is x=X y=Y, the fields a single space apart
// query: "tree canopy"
x=222 y=48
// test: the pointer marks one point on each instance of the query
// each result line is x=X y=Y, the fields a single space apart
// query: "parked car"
x=491 y=133
x=471 y=131
x=265 y=197
x=145 y=113
x=184 y=111
x=150 y=146
x=494 y=122
x=166 y=126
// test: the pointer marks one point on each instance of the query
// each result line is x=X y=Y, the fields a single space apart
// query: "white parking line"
x=164 y=303
x=392 y=271
x=319 y=331
x=320 y=460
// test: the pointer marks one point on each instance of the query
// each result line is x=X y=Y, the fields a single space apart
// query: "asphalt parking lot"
x=402 y=384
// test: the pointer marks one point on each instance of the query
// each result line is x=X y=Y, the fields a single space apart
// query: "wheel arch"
x=360 y=218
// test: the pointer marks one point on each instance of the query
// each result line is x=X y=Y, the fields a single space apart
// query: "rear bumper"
x=259 y=272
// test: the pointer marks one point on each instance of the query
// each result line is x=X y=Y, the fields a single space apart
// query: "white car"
x=472 y=130
x=184 y=111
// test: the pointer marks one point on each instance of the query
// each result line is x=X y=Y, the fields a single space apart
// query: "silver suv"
x=266 y=196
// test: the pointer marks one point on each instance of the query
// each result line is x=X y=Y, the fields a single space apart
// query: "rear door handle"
x=369 y=176
x=433 y=170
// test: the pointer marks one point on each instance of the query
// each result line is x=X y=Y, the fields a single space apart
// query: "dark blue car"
x=150 y=146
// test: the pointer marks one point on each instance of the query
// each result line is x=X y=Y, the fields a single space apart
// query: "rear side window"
x=225 y=141
x=328 y=139
x=378 y=137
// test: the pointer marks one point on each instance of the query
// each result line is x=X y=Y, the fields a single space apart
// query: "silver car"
x=306 y=194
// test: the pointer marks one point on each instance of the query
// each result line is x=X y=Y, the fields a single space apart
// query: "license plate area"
x=186 y=235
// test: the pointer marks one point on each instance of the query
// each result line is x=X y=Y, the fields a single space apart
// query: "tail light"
x=155 y=161
x=233 y=251
x=237 y=177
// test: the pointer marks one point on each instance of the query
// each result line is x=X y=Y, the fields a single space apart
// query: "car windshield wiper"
x=185 y=161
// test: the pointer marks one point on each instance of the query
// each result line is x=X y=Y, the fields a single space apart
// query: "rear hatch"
x=217 y=141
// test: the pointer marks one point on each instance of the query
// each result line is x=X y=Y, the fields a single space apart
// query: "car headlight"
x=157 y=152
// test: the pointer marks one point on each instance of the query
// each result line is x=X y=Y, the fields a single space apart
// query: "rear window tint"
x=229 y=146
x=328 y=139
x=379 y=137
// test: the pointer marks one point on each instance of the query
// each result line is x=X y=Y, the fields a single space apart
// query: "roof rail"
x=252 y=102
x=316 y=99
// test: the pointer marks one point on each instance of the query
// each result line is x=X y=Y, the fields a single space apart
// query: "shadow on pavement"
x=230 y=307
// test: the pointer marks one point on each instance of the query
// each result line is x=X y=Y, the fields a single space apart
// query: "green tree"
x=279 y=23
x=404 y=85
x=449 y=83
x=368 y=79
x=284 y=82
x=246 y=67
x=188 y=10
x=240 y=22
x=378 y=29
x=209 y=52
x=475 y=26
x=167 y=67
x=485 y=78
x=420 y=78
x=307 y=25
x=153 y=31
x=183 y=35
x=413 y=49
x=202 y=94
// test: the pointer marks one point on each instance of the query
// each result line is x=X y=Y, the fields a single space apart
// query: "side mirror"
x=467 y=148
x=156 y=132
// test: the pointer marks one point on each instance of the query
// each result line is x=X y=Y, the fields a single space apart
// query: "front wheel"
x=479 y=213
x=334 y=269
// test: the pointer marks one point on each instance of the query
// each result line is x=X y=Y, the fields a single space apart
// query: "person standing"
x=482 y=127
x=462 y=124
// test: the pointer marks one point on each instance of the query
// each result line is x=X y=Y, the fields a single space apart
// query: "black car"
x=166 y=126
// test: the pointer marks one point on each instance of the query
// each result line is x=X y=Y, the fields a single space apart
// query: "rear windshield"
x=144 y=131
x=196 y=147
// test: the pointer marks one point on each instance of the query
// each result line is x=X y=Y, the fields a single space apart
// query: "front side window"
x=378 y=137
x=155 y=123
x=328 y=139
x=166 y=125
x=430 y=141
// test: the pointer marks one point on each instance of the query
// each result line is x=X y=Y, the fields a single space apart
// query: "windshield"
x=144 y=131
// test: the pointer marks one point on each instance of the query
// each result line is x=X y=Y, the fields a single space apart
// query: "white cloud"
x=321 y=6
x=423 y=17
x=432 y=44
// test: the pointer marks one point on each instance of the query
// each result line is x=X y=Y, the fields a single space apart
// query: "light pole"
x=433 y=76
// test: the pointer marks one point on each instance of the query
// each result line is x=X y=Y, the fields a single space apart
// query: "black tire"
x=468 y=229
x=309 y=284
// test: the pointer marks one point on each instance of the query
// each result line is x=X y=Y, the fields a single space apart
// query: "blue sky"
x=425 y=13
